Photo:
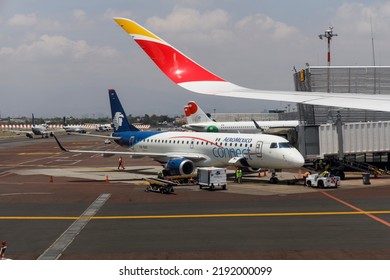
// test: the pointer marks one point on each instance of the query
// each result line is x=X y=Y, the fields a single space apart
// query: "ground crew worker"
x=325 y=173
x=2 y=250
x=305 y=175
x=120 y=163
x=239 y=175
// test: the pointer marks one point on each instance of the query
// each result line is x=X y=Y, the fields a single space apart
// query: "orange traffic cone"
x=265 y=173
x=107 y=179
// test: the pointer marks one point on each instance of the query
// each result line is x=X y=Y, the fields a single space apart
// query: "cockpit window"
x=285 y=145
x=273 y=145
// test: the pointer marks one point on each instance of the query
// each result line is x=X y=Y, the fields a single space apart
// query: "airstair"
x=365 y=167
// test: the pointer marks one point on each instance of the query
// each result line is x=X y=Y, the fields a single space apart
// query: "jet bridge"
x=363 y=146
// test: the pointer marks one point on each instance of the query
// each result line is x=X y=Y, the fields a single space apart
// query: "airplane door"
x=131 y=141
x=259 y=149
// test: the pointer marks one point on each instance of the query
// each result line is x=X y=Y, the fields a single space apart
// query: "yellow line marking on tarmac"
x=231 y=215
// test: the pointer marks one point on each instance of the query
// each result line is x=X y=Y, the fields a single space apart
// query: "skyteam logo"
x=118 y=120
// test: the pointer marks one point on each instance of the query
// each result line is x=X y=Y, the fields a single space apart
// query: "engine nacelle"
x=179 y=166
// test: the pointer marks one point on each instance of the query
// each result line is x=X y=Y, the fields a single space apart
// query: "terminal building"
x=357 y=138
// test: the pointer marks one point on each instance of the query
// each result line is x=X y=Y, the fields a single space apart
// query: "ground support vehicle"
x=212 y=177
x=315 y=180
x=159 y=185
x=181 y=179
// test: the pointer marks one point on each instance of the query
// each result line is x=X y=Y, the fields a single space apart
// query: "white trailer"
x=212 y=177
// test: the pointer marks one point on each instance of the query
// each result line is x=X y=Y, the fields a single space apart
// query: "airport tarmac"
x=55 y=205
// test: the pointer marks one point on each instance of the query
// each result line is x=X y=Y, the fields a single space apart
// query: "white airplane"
x=198 y=120
x=73 y=128
x=36 y=129
x=188 y=74
x=182 y=152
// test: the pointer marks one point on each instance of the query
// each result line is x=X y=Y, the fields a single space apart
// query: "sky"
x=59 y=58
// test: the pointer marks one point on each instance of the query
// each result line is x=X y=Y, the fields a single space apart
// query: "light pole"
x=328 y=34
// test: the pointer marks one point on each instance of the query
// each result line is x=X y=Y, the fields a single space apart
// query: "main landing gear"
x=273 y=179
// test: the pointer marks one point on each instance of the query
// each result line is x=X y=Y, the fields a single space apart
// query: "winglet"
x=174 y=64
x=258 y=126
x=59 y=144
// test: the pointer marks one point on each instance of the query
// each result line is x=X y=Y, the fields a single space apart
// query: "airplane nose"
x=300 y=161
x=295 y=159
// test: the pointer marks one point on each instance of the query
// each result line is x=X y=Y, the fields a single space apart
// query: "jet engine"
x=179 y=166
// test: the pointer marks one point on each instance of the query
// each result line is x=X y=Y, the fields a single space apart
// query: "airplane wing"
x=95 y=135
x=194 y=157
x=188 y=74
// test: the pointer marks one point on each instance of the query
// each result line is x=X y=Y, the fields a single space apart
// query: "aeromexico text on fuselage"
x=223 y=147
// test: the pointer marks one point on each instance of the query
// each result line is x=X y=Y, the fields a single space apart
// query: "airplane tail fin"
x=32 y=120
x=195 y=114
x=119 y=117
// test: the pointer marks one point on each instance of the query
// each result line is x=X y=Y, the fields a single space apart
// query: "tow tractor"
x=323 y=181
x=160 y=185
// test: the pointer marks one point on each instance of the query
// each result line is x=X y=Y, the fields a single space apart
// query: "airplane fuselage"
x=241 y=127
x=214 y=149
x=74 y=128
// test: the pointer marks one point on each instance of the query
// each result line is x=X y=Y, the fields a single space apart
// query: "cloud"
x=262 y=25
x=79 y=15
x=355 y=19
x=352 y=22
x=187 y=19
x=49 y=47
x=23 y=20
